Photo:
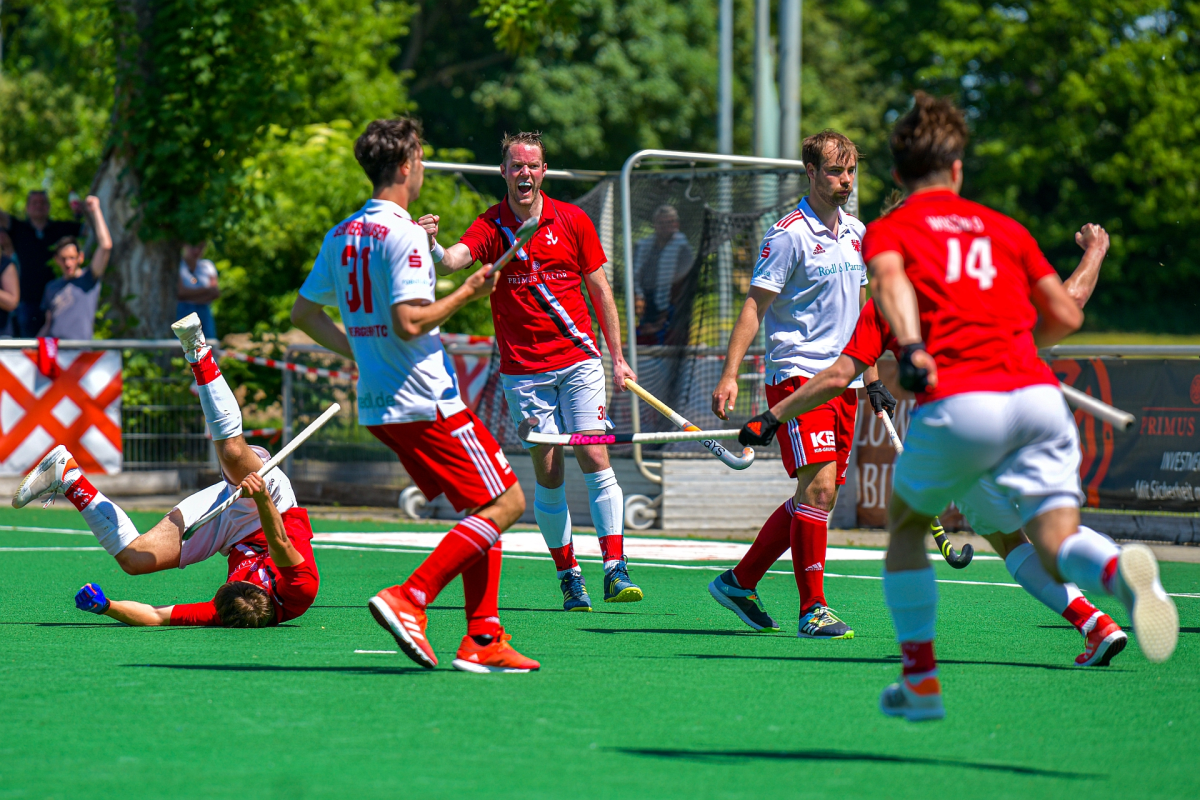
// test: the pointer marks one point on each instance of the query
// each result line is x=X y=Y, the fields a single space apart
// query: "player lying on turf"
x=409 y=398
x=970 y=298
x=272 y=573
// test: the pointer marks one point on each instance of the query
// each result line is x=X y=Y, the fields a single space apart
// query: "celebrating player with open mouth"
x=809 y=284
x=1103 y=638
x=266 y=536
x=549 y=363
x=375 y=267
x=970 y=297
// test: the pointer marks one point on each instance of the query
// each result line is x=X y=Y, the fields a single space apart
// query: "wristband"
x=437 y=251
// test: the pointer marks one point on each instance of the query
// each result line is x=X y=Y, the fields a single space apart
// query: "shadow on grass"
x=69 y=624
x=674 y=631
x=1189 y=630
x=275 y=668
x=735 y=756
x=887 y=660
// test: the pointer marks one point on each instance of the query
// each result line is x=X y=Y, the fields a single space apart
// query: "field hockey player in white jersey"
x=376 y=268
x=808 y=286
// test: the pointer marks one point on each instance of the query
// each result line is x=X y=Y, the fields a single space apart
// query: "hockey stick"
x=953 y=558
x=526 y=432
x=278 y=459
x=524 y=233
x=1121 y=420
x=727 y=458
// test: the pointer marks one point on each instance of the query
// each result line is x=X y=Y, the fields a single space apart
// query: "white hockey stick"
x=526 y=432
x=727 y=458
x=524 y=233
x=278 y=459
x=1121 y=420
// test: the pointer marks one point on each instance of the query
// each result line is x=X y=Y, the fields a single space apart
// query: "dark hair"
x=531 y=138
x=929 y=138
x=385 y=145
x=813 y=148
x=241 y=604
x=65 y=241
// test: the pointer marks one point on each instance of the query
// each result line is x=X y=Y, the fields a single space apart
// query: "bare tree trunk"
x=144 y=275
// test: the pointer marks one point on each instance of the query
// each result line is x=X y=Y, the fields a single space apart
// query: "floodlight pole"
x=789 y=77
x=725 y=78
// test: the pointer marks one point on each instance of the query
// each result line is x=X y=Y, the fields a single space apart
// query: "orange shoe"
x=1103 y=640
x=396 y=614
x=499 y=656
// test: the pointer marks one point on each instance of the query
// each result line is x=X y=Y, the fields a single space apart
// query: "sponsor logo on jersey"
x=836 y=268
x=414 y=259
x=367 y=331
x=822 y=440
x=818 y=250
x=551 y=238
x=359 y=228
x=766 y=251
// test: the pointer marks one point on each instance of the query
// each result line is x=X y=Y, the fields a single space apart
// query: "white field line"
x=384 y=652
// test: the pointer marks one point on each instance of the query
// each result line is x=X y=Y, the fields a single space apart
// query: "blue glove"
x=91 y=598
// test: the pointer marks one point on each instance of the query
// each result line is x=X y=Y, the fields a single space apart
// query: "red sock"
x=809 y=537
x=205 y=369
x=612 y=547
x=481 y=589
x=564 y=557
x=1079 y=612
x=918 y=658
x=465 y=544
x=81 y=492
x=770 y=543
x=1109 y=574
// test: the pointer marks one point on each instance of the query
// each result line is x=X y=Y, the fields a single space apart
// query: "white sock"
x=607 y=503
x=111 y=526
x=1026 y=568
x=221 y=409
x=912 y=598
x=552 y=515
x=1084 y=558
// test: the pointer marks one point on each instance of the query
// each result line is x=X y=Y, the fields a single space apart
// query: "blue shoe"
x=617 y=586
x=575 y=596
x=743 y=602
x=820 y=623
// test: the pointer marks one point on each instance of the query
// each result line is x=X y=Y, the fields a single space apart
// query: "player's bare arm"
x=1094 y=241
x=824 y=386
x=139 y=615
x=758 y=300
x=311 y=318
x=282 y=551
x=897 y=301
x=417 y=318
x=1059 y=315
x=453 y=258
x=610 y=325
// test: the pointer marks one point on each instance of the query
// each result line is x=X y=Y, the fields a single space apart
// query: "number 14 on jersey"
x=979 y=261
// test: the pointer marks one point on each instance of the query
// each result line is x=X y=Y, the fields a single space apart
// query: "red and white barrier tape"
x=291 y=367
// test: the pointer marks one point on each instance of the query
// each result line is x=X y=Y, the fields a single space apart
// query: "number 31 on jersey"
x=979 y=261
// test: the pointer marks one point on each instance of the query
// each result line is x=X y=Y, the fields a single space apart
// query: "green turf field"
x=668 y=698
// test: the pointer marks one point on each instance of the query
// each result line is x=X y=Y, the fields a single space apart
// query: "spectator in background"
x=197 y=288
x=32 y=238
x=10 y=284
x=70 y=301
x=661 y=265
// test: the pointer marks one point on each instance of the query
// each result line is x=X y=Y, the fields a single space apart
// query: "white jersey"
x=374 y=259
x=818 y=279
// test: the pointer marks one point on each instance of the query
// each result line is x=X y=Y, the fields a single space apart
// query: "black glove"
x=881 y=399
x=912 y=377
x=759 y=430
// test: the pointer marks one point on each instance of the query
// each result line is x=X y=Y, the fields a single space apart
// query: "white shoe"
x=914 y=703
x=46 y=478
x=191 y=335
x=1155 y=619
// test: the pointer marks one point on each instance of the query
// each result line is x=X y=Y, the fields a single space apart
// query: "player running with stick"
x=1103 y=638
x=970 y=298
x=549 y=360
x=375 y=267
x=809 y=284
x=272 y=573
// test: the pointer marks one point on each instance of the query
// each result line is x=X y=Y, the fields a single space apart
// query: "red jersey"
x=973 y=270
x=292 y=589
x=872 y=337
x=542 y=322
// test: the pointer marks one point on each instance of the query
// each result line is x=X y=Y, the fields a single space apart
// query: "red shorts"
x=456 y=456
x=823 y=434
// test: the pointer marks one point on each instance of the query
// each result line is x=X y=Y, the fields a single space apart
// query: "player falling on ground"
x=1103 y=638
x=549 y=361
x=375 y=267
x=272 y=573
x=970 y=298
x=809 y=284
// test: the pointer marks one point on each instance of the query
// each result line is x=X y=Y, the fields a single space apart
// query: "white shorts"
x=1007 y=456
x=567 y=400
x=236 y=523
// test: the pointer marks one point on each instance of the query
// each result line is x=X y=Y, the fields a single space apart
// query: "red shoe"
x=499 y=656
x=1103 y=640
x=400 y=617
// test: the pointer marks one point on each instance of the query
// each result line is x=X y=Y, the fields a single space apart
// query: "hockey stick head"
x=960 y=560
